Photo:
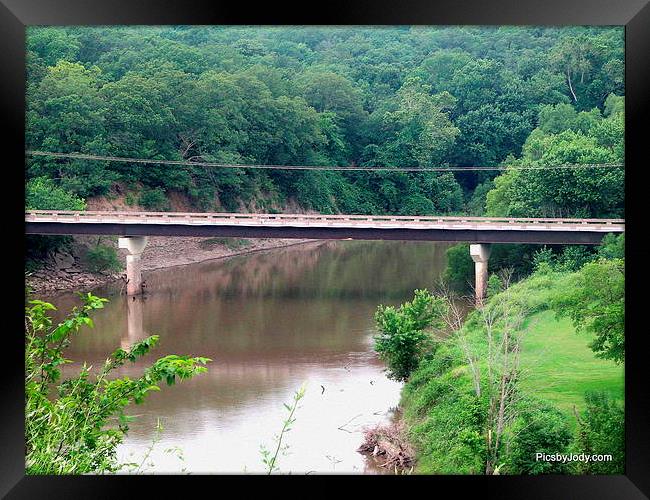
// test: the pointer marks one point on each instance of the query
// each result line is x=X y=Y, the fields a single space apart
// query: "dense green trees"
x=566 y=137
x=413 y=97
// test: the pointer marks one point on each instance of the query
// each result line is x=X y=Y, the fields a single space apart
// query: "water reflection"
x=134 y=320
x=270 y=321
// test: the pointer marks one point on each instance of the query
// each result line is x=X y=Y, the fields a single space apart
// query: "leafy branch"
x=269 y=460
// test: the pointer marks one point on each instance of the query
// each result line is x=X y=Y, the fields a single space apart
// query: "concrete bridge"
x=479 y=231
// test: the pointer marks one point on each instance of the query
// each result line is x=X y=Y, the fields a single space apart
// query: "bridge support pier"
x=480 y=254
x=135 y=245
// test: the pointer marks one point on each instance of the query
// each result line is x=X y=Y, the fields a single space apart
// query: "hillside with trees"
x=398 y=97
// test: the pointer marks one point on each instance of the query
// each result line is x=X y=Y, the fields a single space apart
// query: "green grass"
x=560 y=367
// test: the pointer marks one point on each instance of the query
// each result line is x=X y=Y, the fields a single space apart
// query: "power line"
x=83 y=156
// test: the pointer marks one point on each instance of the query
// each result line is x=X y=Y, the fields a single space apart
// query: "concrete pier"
x=480 y=254
x=135 y=246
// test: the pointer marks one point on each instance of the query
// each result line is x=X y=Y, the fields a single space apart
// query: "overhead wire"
x=189 y=163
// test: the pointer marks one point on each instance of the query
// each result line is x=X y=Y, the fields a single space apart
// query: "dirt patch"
x=121 y=200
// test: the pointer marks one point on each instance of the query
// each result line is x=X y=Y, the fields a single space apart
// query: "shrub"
x=417 y=204
x=43 y=194
x=476 y=204
x=494 y=285
x=403 y=337
x=154 y=199
x=596 y=305
x=544 y=260
x=601 y=430
x=459 y=272
x=74 y=426
x=573 y=258
x=103 y=258
x=39 y=246
x=539 y=428
x=612 y=246
x=449 y=436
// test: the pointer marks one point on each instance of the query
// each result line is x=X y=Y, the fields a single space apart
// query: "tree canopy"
x=344 y=96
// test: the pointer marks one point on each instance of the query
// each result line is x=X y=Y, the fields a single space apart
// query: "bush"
x=612 y=246
x=417 y=204
x=154 y=199
x=39 y=246
x=450 y=420
x=403 y=337
x=596 y=305
x=75 y=426
x=230 y=243
x=494 y=285
x=476 y=204
x=563 y=259
x=601 y=431
x=459 y=272
x=447 y=424
x=544 y=260
x=43 y=194
x=204 y=197
x=539 y=428
x=573 y=258
x=313 y=191
x=103 y=258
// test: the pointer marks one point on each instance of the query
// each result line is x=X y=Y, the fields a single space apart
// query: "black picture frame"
x=15 y=15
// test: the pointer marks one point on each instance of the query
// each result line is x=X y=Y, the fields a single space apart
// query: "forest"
x=417 y=97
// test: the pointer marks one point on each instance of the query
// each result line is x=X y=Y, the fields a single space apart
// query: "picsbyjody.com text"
x=576 y=457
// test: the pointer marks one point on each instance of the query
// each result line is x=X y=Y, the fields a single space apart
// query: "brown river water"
x=270 y=321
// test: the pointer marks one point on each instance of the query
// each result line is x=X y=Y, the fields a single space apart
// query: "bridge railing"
x=63 y=215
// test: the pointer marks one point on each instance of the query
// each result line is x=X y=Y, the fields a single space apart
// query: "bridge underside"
x=550 y=237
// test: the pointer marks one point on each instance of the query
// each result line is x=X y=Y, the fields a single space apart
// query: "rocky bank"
x=67 y=271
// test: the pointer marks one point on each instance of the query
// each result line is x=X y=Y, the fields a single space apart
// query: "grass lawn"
x=559 y=366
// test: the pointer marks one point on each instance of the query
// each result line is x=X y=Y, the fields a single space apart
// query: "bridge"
x=480 y=231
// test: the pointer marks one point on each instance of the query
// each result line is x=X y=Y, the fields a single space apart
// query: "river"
x=270 y=321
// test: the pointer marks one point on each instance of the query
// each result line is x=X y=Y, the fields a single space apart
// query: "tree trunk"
x=568 y=77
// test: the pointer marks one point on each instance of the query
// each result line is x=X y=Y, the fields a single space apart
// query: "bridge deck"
x=432 y=228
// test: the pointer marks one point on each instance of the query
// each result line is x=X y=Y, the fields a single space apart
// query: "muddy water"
x=270 y=321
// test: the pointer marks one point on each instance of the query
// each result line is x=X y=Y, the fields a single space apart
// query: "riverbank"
x=446 y=401
x=389 y=445
x=64 y=271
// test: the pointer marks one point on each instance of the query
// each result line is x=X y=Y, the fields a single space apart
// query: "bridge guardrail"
x=33 y=215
